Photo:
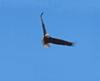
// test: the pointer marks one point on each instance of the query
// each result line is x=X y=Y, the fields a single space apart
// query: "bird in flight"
x=48 y=39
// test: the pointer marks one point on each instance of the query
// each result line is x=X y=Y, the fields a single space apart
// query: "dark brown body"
x=45 y=40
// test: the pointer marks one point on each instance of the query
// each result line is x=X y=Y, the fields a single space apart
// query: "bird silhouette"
x=47 y=39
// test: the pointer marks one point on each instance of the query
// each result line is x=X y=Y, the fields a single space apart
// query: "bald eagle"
x=47 y=39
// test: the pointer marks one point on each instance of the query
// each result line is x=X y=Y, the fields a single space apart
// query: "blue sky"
x=22 y=56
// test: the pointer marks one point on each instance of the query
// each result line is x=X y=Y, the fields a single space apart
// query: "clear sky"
x=22 y=56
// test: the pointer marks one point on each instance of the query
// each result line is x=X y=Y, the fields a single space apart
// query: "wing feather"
x=60 y=41
x=43 y=25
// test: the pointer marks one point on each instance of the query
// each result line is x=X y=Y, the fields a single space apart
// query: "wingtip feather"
x=41 y=13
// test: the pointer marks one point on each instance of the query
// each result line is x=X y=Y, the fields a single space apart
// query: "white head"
x=46 y=34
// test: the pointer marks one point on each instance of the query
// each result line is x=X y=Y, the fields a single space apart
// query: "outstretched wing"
x=60 y=42
x=43 y=25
